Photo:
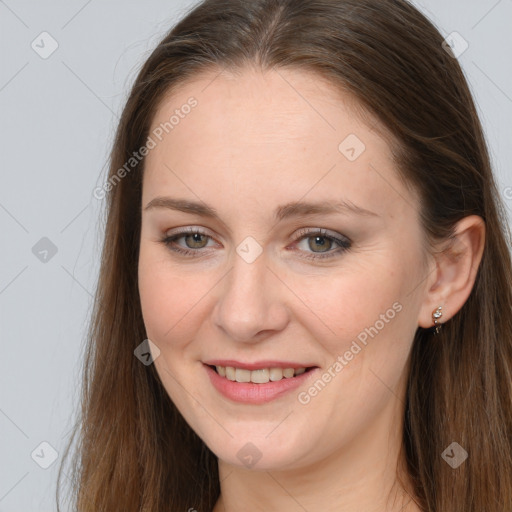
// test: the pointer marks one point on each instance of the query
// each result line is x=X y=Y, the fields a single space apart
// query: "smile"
x=260 y=376
x=237 y=384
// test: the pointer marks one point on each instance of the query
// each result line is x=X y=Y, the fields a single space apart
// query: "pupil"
x=321 y=239
x=196 y=239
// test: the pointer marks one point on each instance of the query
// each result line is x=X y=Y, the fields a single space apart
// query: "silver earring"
x=436 y=314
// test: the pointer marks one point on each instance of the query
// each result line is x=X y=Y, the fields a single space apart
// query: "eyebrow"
x=288 y=210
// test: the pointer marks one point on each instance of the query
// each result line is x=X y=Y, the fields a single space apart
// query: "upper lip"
x=257 y=365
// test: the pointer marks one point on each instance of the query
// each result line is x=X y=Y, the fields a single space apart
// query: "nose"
x=251 y=306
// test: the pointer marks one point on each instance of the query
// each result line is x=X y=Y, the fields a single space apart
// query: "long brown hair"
x=135 y=451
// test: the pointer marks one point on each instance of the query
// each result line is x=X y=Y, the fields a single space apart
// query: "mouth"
x=260 y=375
x=260 y=382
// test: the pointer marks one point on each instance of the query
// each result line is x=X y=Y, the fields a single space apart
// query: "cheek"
x=348 y=303
x=364 y=322
x=363 y=314
x=159 y=292
x=171 y=300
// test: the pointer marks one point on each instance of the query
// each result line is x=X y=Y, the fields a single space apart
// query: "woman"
x=305 y=289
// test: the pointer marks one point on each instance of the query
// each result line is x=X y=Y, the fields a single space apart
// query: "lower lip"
x=250 y=393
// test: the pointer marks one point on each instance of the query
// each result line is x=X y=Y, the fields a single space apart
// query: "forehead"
x=276 y=135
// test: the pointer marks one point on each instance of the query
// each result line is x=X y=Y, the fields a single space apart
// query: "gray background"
x=57 y=121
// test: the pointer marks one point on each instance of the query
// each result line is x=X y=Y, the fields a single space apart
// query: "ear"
x=456 y=266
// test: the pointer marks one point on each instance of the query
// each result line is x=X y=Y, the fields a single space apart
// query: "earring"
x=436 y=314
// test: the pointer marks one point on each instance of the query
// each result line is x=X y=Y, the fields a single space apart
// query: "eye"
x=195 y=240
x=323 y=240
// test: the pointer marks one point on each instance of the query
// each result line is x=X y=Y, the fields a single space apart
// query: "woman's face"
x=260 y=287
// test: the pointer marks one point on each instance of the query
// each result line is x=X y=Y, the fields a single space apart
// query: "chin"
x=257 y=453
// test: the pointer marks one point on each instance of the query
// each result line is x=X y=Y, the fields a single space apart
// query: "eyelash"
x=344 y=243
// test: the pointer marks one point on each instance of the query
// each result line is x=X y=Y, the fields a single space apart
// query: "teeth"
x=276 y=374
x=261 y=376
x=242 y=375
x=230 y=373
x=288 y=372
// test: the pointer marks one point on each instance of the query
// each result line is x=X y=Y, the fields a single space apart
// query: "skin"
x=255 y=141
